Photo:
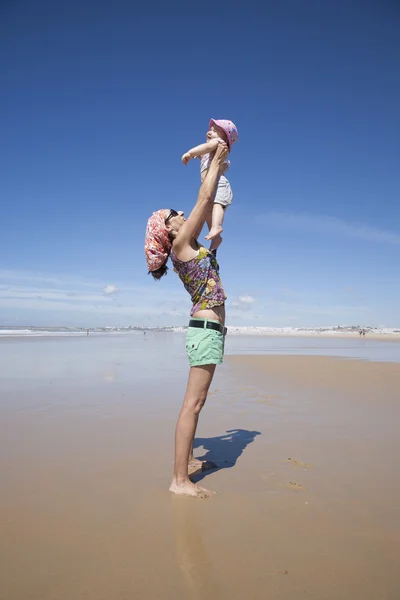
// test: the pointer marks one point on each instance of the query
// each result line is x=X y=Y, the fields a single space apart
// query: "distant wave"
x=233 y=330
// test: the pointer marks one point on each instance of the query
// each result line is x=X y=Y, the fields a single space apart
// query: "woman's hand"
x=220 y=155
x=195 y=221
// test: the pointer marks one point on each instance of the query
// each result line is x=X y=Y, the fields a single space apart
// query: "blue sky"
x=99 y=101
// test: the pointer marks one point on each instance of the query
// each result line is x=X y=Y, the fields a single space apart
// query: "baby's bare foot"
x=187 y=488
x=215 y=244
x=214 y=232
x=196 y=465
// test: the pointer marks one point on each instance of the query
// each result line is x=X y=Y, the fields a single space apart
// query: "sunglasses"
x=173 y=213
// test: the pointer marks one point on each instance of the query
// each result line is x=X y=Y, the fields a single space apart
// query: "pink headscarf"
x=157 y=244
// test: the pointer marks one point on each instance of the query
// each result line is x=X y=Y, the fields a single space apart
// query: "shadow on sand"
x=224 y=450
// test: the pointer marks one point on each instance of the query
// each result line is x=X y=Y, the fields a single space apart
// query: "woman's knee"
x=199 y=405
x=195 y=403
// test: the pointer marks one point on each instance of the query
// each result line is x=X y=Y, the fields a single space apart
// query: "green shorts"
x=204 y=346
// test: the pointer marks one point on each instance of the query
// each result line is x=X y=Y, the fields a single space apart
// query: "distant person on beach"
x=220 y=131
x=168 y=233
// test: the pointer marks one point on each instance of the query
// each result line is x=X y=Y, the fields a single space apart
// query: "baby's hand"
x=186 y=157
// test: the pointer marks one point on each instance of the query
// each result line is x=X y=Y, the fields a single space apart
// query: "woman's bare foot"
x=214 y=232
x=187 y=488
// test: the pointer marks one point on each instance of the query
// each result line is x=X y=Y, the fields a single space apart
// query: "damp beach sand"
x=308 y=486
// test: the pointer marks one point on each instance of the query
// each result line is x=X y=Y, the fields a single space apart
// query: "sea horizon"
x=8 y=330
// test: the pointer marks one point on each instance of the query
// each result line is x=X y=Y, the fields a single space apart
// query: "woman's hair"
x=161 y=271
x=158 y=273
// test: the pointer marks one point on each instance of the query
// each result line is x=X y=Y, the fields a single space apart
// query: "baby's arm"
x=200 y=150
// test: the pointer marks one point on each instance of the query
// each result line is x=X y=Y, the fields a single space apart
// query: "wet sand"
x=308 y=489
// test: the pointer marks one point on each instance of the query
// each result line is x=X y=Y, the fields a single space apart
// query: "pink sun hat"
x=229 y=128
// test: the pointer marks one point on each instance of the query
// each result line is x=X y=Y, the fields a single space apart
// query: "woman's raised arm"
x=194 y=223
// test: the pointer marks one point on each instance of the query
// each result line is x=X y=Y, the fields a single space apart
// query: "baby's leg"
x=209 y=216
x=222 y=199
x=217 y=241
x=216 y=221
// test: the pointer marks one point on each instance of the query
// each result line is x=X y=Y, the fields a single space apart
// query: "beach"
x=305 y=436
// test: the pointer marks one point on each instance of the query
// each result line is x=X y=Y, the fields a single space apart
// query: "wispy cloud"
x=352 y=293
x=330 y=310
x=333 y=225
x=8 y=275
x=12 y=293
x=44 y=304
x=246 y=299
x=72 y=285
x=243 y=303
x=109 y=290
x=29 y=294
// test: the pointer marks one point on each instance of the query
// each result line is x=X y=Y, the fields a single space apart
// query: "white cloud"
x=246 y=299
x=327 y=224
x=243 y=303
x=109 y=290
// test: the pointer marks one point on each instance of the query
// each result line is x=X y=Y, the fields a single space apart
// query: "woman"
x=168 y=233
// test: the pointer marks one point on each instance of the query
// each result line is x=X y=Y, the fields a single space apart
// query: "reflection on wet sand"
x=193 y=558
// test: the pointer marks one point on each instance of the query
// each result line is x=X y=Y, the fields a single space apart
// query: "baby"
x=219 y=130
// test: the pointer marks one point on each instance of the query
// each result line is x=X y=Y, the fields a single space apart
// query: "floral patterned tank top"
x=200 y=276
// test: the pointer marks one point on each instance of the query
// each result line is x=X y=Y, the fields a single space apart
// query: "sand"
x=308 y=493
